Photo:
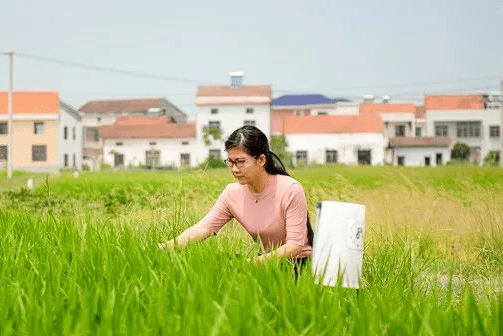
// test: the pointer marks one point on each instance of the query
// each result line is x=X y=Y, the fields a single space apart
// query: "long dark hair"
x=255 y=143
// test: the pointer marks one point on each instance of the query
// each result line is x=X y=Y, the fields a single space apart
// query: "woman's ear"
x=262 y=160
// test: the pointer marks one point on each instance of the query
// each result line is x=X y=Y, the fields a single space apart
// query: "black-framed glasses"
x=238 y=163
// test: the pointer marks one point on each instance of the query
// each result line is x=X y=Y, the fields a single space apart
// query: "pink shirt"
x=278 y=215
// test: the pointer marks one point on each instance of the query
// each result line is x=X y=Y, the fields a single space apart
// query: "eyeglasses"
x=238 y=163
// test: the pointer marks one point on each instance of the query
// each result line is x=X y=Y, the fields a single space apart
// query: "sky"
x=91 y=50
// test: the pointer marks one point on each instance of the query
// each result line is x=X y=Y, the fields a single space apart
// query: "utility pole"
x=9 y=111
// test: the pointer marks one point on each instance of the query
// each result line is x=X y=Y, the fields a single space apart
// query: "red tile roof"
x=443 y=141
x=277 y=117
x=27 y=102
x=388 y=107
x=420 y=112
x=454 y=102
x=143 y=127
x=363 y=123
x=121 y=105
x=245 y=94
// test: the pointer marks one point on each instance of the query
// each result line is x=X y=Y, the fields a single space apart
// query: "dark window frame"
x=39 y=153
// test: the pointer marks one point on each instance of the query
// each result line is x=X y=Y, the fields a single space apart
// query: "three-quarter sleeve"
x=296 y=215
x=218 y=215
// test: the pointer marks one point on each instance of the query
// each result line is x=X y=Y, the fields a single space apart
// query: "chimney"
x=236 y=78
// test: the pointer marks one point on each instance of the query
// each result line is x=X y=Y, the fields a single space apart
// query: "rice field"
x=79 y=256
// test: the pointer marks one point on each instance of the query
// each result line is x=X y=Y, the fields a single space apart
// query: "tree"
x=278 y=146
x=460 y=151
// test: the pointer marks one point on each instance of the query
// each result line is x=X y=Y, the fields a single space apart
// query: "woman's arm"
x=284 y=251
x=191 y=235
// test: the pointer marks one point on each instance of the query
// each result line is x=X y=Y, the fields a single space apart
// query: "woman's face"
x=244 y=167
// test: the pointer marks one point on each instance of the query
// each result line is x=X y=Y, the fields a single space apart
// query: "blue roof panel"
x=306 y=99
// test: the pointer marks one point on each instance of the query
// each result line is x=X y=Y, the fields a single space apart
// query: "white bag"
x=338 y=244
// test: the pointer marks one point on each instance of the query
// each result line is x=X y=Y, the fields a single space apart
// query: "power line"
x=395 y=85
x=109 y=70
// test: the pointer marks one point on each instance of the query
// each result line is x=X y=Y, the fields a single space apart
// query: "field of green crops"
x=79 y=256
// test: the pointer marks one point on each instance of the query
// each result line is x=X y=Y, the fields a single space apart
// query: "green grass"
x=79 y=257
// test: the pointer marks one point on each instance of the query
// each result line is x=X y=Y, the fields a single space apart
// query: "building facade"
x=222 y=109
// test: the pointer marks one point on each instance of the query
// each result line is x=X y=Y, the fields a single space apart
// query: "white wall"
x=415 y=156
x=231 y=117
x=487 y=117
x=72 y=146
x=134 y=150
x=346 y=145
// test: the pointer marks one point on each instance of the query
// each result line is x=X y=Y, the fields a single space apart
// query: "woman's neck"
x=261 y=183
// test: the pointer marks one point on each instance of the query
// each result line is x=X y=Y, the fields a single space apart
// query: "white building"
x=420 y=151
x=335 y=139
x=227 y=108
x=155 y=142
x=98 y=113
x=70 y=132
x=466 y=118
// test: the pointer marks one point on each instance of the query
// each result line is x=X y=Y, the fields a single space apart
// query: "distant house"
x=99 y=113
x=154 y=142
x=46 y=132
x=228 y=107
x=470 y=118
x=307 y=105
x=420 y=151
x=328 y=139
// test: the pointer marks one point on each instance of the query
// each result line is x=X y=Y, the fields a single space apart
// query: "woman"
x=266 y=201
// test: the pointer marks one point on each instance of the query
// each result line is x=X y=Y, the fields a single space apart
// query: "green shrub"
x=492 y=158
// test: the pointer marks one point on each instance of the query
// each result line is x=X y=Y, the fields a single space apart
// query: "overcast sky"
x=337 y=48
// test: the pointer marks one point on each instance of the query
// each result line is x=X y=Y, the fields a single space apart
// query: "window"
x=400 y=130
x=39 y=152
x=322 y=113
x=215 y=153
x=74 y=160
x=494 y=131
x=441 y=130
x=301 y=157
x=92 y=134
x=152 y=158
x=38 y=127
x=249 y=110
x=214 y=111
x=298 y=112
x=438 y=159
x=185 y=143
x=185 y=159
x=214 y=124
x=4 y=129
x=118 y=160
x=99 y=119
x=74 y=136
x=331 y=156
x=3 y=153
x=66 y=160
x=65 y=133
x=249 y=123
x=419 y=131
x=468 y=129
x=152 y=143
x=364 y=157
x=119 y=143
x=427 y=161
x=400 y=160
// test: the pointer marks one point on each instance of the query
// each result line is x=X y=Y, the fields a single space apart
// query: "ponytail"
x=274 y=166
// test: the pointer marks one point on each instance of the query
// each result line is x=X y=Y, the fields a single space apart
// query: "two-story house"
x=467 y=118
x=46 y=133
x=228 y=107
x=99 y=113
